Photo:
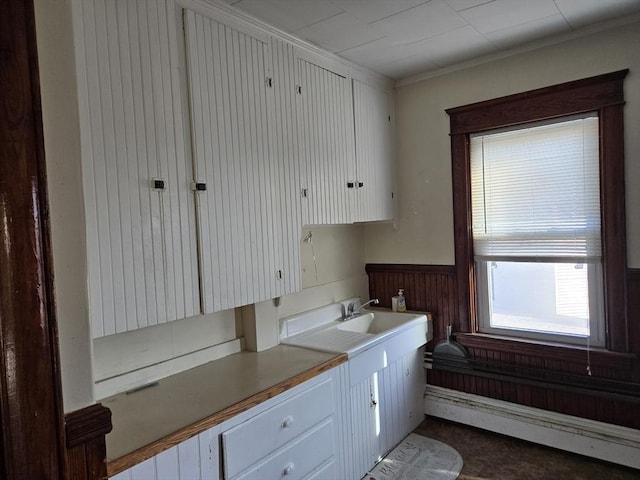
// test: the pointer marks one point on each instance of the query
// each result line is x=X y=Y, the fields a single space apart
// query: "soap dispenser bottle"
x=402 y=304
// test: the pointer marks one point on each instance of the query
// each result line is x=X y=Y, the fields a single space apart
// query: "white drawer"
x=255 y=438
x=298 y=459
x=325 y=472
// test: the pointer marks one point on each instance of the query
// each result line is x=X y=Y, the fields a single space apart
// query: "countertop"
x=151 y=420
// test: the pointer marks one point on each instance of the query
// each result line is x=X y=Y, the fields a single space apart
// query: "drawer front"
x=298 y=459
x=326 y=472
x=248 y=442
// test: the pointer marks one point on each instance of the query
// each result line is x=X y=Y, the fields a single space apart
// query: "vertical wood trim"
x=633 y=314
x=32 y=438
x=614 y=222
x=461 y=172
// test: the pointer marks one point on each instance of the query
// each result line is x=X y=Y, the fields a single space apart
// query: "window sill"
x=561 y=352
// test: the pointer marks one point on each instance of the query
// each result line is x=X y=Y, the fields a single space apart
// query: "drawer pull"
x=288 y=469
x=287 y=422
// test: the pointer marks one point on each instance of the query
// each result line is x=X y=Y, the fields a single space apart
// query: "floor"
x=492 y=456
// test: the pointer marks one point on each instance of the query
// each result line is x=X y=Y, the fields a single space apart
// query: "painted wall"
x=332 y=259
x=425 y=226
x=61 y=127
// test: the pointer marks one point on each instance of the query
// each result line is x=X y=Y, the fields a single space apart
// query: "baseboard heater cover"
x=611 y=443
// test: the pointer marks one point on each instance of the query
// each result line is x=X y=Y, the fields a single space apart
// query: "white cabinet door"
x=366 y=424
x=286 y=168
x=326 y=144
x=385 y=407
x=141 y=242
x=228 y=86
x=193 y=459
x=402 y=385
x=374 y=153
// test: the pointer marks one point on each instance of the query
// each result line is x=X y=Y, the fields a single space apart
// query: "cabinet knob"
x=288 y=469
x=360 y=184
x=351 y=184
x=287 y=422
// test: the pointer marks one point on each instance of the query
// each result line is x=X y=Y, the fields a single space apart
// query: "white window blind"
x=536 y=193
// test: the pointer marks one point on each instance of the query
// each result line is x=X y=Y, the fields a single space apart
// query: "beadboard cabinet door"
x=385 y=407
x=193 y=459
x=375 y=177
x=287 y=170
x=141 y=243
x=327 y=147
x=246 y=221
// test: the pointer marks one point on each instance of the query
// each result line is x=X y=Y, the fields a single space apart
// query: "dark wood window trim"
x=31 y=412
x=603 y=94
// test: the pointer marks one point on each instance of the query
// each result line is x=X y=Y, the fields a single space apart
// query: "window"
x=536 y=230
x=481 y=275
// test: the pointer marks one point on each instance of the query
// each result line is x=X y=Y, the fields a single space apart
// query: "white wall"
x=425 y=227
x=333 y=269
x=62 y=150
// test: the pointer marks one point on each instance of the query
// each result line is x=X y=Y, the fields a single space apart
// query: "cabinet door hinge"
x=158 y=184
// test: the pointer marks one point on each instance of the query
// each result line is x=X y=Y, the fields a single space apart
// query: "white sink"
x=375 y=322
x=396 y=333
x=373 y=339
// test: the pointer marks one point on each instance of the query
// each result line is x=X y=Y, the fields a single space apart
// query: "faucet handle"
x=351 y=308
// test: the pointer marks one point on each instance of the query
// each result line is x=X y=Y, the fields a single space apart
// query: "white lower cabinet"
x=336 y=425
x=193 y=459
x=291 y=439
x=297 y=435
x=297 y=459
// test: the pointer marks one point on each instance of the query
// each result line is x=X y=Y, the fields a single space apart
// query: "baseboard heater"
x=599 y=440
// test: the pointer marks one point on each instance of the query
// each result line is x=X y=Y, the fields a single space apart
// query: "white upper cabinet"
x=242 y=129
x=228 y=84
x=374 y=153
x=286 y=165
x=207 y=141
x=327 y=144
x=345 y=140
x=141 y=244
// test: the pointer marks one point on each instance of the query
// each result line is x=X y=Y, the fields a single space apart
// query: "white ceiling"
x=403 y=38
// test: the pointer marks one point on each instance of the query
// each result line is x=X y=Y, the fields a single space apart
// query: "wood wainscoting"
x=86 y=448
x=546 y=376
x=427 y=288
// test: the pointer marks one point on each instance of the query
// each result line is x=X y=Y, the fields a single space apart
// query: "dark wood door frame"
x=32 y=441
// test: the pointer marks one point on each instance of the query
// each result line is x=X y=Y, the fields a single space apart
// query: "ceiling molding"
x=582 y=32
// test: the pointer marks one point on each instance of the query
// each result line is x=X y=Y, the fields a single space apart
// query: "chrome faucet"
x=353 y=310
